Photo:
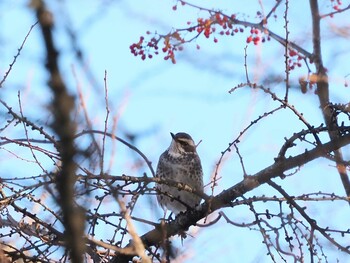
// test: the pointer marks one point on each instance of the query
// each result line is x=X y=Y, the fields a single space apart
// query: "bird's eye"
x=184 y=143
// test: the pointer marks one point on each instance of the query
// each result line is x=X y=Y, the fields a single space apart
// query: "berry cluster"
x=227 y=25
x=172 y=42
x=294 y=59
x=169 y=47
x=255 y=37
x=138 y=49
x=336 y=4
x=216 y=24
x=204 y=26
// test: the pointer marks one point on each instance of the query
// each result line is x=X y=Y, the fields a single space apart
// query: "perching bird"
x=180 y=163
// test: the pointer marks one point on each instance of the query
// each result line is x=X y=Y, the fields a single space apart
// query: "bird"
x=179 y=163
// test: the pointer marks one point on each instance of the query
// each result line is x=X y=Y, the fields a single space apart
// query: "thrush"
x=180 y=163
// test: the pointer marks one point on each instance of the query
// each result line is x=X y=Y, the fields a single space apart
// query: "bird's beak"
x=172 y=136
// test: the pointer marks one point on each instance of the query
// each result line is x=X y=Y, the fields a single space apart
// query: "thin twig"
x=149 y=163
x=17 y=55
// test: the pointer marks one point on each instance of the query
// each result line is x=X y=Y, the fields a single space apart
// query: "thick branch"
x=64 y=126
x=323 y=93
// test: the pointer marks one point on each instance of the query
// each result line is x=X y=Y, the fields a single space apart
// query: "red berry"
x=292 y=53
x=249 y=39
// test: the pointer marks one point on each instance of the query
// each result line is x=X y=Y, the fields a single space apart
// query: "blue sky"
x=155 y=97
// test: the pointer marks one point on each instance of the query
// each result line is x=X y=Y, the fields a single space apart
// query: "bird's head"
x=182 y=143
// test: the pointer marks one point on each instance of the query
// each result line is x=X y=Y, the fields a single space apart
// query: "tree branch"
x=323 y=93
x=64 y=126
